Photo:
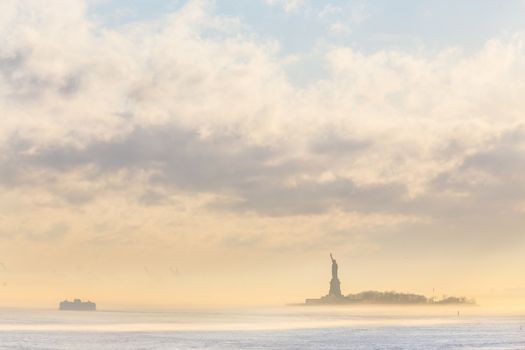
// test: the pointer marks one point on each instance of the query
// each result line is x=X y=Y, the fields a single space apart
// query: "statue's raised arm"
x=331 y=257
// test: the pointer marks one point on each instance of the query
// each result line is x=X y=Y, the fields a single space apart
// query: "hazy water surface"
x=262 y=328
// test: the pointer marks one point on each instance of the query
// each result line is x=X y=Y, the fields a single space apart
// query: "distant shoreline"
x=380 y=304
x=388 y=298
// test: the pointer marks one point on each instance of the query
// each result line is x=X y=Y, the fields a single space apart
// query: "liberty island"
x=335 y=296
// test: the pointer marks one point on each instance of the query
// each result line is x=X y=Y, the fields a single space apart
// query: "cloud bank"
x=192 y=116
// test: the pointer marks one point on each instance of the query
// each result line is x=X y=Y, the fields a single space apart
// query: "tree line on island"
x=391 y=297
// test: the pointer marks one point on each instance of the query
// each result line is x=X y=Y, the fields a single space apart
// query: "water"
x=262 y=328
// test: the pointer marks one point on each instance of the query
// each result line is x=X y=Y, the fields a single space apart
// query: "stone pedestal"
x=335 y=287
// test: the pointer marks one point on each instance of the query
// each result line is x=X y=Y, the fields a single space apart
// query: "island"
x=335 y=296
x=77 y=305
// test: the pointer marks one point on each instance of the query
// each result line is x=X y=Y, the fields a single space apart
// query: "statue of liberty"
x=335 y=284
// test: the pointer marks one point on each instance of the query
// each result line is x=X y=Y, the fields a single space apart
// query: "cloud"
x=192 y=104
x=343 y=19
x=287 y=5
x=339 y=28
x=489 y=179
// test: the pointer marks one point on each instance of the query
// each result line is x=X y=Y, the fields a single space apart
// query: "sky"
x=199 y=152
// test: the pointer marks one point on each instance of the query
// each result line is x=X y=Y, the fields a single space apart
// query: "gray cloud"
x=332 y=142
x=491 y=175
x=256 y=177
x=316 y=198
x=24 y=84
x=180 y=159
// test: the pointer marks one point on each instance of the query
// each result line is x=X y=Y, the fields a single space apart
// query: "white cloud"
x=339 y=28
x=341 y=20
x=287 y=5
x=329 y=10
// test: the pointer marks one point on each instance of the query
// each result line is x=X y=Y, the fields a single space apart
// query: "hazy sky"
x=158 y=152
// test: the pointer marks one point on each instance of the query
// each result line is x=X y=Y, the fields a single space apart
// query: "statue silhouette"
x=335 y=285
x=334 y=267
